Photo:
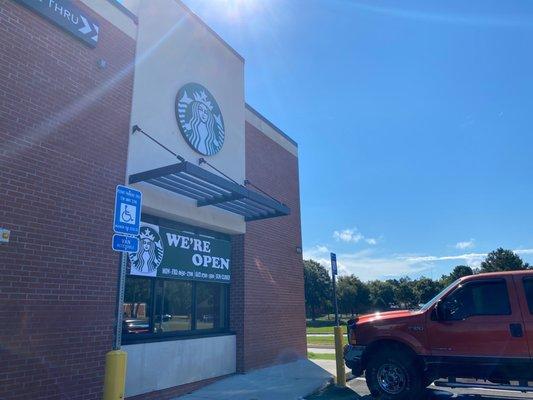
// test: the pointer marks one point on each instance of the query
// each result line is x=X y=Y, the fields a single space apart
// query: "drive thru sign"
x=127 y=219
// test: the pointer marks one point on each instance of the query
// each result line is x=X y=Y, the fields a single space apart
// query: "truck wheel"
x=394 y=375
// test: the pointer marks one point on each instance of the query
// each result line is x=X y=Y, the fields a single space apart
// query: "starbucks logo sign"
x=199 y=119
x=150 y=254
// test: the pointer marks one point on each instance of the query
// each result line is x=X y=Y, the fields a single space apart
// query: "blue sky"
x=414 y=122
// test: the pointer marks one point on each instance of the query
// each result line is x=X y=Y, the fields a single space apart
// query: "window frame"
x=131 y=338
x=478 y=282
x=530 y=281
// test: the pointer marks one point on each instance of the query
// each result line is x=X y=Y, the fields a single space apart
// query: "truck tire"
x=394 y=375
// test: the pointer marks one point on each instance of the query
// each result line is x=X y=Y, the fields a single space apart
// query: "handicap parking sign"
x=128 y=214
x=127 y=210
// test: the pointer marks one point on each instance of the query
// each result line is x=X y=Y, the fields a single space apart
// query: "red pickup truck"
x=480 y=327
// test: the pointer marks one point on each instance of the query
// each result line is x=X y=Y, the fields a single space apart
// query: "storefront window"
x=137 y=301
x=210 y=310
x=173 y=306
x=159 y=308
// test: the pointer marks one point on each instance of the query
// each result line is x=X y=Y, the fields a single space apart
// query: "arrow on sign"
x=89 y=28
x=95 y=37
x=86 y=27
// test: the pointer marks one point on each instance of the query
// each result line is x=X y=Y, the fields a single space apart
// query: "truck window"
x=528 y=288
x=478 y=298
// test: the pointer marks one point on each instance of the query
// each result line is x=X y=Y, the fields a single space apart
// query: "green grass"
x=320 y=340
x=320 y=329
x=320 y=356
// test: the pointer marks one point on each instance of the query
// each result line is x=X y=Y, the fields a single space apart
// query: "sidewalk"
x=290 y=381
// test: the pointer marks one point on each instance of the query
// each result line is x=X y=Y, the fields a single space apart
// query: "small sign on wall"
x=67 y=16
x=4 y=235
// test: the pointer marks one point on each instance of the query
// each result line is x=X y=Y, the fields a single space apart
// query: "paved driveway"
x=357 y=389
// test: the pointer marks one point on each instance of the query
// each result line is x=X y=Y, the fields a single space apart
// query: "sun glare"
x=235 y=9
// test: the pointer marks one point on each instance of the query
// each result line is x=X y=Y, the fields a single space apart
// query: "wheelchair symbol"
x=127 y=214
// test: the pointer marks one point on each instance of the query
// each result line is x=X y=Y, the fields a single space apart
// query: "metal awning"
x=208 y=189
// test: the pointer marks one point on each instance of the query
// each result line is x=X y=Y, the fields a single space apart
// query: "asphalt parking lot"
x=357 y=389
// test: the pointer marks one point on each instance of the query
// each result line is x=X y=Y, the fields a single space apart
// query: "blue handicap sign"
x=127 y=244
x=334 y=263
x=127 y=210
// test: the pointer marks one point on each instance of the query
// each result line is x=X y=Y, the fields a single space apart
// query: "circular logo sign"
x=199 y=119
x=149 y=255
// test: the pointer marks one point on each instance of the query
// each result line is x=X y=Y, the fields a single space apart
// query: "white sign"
x=128 y=214
x=4 y=235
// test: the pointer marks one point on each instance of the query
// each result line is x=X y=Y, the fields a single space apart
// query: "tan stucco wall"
x=175 y=48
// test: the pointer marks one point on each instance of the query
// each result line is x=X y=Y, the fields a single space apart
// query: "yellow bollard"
x=115 y=375
x=339 y=356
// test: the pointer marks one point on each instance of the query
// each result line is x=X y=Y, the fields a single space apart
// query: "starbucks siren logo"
x=150 y=254
x=199 y=119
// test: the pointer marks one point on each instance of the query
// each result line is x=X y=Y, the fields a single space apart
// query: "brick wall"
x=237 y=306
x=274 y=315
x=64 y=128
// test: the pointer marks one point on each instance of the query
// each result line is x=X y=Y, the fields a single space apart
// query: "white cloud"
x=524 y=251
x=467 y=244
x=322 y=249
x=472 y=259
x=369 y=264
x=366 y=264
x=353 y=236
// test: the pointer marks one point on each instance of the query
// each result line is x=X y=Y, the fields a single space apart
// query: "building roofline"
x=267 y=121
x=134 y=17
x=216 y=35
x=125 y=10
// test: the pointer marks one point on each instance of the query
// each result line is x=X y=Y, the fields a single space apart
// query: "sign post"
x=341 y=372
x=127 y=223
x=333 y=275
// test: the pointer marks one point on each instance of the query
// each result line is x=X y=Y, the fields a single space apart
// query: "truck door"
x=524 y=286
x=483 y=322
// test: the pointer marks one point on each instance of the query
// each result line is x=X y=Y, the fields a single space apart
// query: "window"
x=210 y=313
x=528 y=288
x=137 y=300
x=157 y=308
x=478 y=298
x=173 y=306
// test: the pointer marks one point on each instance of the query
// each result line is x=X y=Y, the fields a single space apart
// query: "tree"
x=458 y=272
x=502 y=260
x=403 y=292
x=381 y=295
x=425 y=289
x=317 y=287
x=352 y=295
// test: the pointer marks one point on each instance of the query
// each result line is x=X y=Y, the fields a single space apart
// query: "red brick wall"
x=64 y=128
x=237 y=306
x=273 y=318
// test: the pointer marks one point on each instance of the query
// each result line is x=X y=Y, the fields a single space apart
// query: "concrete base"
x=162 y=365
x=288 y=381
